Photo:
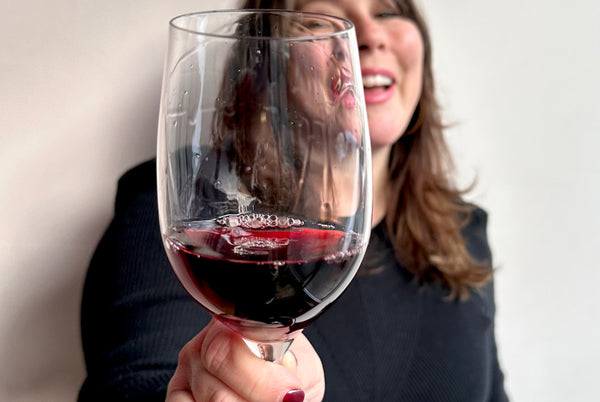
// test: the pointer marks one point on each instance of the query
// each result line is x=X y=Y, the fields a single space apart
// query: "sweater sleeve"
x=497 y=393
x=135 y=316
x=477 y=244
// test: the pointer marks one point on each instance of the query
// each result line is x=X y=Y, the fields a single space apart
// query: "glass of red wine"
x=264 y=169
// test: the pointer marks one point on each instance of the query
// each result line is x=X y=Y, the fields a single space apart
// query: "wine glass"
x=264 y=169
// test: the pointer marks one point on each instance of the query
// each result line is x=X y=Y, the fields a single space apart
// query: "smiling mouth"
x=377 y=81
x=341 y=85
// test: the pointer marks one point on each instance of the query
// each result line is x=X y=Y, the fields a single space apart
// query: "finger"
x=179 y=396
x=225 y=355
x=192 y=383
x=308 y=368
x=179 y=388
x=290 y=361
x=206 y=388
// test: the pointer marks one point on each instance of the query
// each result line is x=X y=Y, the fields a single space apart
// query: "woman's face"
x=391 y=56
x=321 y=82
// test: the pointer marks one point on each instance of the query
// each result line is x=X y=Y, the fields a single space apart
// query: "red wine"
x=271 y=270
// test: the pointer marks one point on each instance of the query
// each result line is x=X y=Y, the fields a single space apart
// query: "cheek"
x=309 y=57
x=309 y=75
x=410 y=47
x=387 y=127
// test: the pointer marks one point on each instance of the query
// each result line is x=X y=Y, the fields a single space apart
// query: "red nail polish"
x=295 y=395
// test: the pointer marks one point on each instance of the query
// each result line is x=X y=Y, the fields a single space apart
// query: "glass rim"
x=349 y=25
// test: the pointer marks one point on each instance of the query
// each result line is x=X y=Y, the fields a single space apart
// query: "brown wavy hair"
x=426 y=211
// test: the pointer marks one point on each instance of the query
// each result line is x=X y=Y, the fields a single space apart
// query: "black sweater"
x=386 y=339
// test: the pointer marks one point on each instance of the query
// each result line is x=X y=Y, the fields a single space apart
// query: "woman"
x=416 y=324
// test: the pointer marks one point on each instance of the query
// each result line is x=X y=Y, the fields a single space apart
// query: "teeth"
x=377 y=80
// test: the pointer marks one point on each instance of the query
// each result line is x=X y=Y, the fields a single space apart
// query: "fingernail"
x=295 y=395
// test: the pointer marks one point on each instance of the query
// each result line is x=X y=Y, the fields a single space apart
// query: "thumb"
x=290 y=362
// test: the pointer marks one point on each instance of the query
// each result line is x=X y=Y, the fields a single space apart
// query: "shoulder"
x=142 y=176
x=475 y=234
x=139 y=181
x=477 y=219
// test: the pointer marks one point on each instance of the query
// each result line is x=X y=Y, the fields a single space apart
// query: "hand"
x=216 y=365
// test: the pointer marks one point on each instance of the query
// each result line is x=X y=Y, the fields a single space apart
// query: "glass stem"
x=269 y=351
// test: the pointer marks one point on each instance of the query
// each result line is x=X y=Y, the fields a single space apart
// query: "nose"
x=369 y=34
x=340 y=52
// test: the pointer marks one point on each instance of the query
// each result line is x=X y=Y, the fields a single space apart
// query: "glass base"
x=269 y=351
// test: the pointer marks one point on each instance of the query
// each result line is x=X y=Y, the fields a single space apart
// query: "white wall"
x=521 y=80
x=79 y=90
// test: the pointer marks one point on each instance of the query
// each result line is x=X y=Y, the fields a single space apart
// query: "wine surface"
x=276 y=270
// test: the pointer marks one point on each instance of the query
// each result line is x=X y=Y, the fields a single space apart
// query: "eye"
x=317 y=26
x=393 y=9
x=314 y=24
x=388 y=14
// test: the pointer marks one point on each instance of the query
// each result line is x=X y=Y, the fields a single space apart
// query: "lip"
x=379 y=95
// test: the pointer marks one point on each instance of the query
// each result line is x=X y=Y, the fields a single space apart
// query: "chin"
x=385 y=135
x=387 y=122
